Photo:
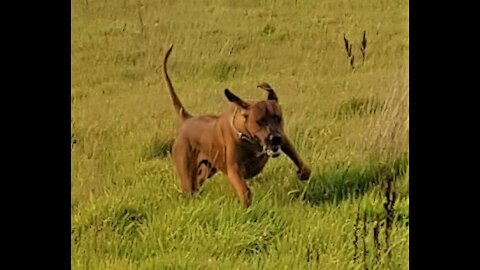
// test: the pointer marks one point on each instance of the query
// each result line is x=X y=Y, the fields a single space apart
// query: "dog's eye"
x=276 y=119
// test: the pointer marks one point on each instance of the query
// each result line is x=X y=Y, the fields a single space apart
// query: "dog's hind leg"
x=185 y=161
x=204 y=171
x=202 y=174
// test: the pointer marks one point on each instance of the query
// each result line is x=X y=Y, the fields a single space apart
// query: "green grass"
x=351 y=126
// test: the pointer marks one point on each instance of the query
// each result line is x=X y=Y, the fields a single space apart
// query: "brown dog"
x=238 y=143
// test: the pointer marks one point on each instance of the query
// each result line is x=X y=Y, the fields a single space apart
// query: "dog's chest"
x=252 y=166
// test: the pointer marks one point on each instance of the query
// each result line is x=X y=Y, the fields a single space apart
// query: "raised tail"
x=179 y=109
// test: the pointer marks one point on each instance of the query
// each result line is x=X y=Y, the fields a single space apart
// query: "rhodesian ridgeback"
x=238 y=143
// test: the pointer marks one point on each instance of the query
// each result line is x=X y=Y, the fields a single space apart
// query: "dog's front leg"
x=240 y=186
x=235 y=177
x=304 y=171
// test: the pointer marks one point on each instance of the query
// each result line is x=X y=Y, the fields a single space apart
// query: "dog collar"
x=240 y=135
x=246 y=138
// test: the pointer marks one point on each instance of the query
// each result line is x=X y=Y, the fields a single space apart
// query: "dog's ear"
x=238 y=101
x=271 y=93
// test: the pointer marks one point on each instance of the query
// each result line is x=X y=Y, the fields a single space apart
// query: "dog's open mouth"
x=273 y=151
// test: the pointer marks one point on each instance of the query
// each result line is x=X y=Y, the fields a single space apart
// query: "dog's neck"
x=240 y=135
x=244 y=137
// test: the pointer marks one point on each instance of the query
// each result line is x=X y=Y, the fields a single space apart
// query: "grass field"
x=349 y=124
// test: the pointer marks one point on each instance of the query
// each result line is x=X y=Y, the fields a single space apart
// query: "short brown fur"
x=236 y=143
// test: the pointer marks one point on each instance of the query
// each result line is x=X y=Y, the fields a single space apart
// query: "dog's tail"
x=179 y=109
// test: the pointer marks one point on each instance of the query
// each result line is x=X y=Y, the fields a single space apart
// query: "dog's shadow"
x=341 y=182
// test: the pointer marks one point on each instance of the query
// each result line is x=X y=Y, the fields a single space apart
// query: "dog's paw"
x=304 y=173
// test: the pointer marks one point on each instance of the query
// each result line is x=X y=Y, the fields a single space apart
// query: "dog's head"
x=262 y=120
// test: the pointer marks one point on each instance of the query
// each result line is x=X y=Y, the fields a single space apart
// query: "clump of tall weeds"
x=386 y=138
x=387 y=134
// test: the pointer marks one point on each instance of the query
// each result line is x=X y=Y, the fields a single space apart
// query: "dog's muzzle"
x=273 y=145
x=273 y=151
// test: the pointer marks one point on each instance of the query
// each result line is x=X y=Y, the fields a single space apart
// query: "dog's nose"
x=275 y=139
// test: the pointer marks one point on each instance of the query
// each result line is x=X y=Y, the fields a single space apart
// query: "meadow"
x=348 y=121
